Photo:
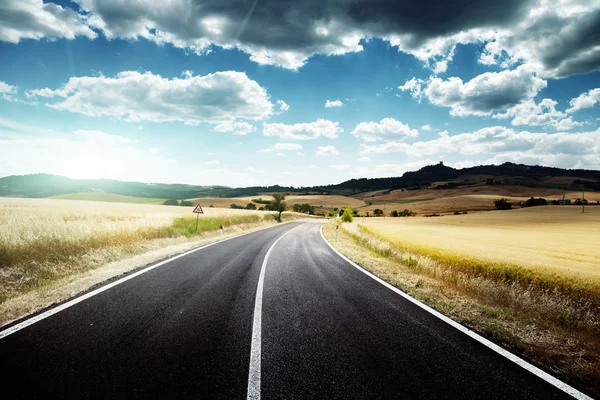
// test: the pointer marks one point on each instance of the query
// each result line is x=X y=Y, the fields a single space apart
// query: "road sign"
x=198 y=209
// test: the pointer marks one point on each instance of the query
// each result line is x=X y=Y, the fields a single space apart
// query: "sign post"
x=198 y=211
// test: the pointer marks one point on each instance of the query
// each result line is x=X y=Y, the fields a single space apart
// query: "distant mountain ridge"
x=436 y=176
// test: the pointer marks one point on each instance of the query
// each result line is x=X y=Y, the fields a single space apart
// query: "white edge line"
x=255 y=350
x=24 y=324
x=517 y=360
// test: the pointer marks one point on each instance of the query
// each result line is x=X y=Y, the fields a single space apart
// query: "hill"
x=439 y=180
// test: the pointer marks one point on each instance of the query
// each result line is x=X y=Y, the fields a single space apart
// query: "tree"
x=378 y=212
x=502 y=204
x=347 y=215
x=171 y=202
x=278 y=204
x=251 y=206
x=186 y=203
x=394 y=213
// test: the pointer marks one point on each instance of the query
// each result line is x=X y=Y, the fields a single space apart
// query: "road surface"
x=185 y=330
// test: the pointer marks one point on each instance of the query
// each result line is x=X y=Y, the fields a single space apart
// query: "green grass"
x=108 y=197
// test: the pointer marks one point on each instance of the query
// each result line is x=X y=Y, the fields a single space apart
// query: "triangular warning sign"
x=198 y=209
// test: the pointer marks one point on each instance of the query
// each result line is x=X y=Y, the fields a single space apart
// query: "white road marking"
x=70 y=303
x=255 y=351
x=517 y=360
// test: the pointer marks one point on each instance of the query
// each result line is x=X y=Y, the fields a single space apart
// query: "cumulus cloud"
x=543 y=113
x=281 y=147
x=485 y=93
x=303 y=131
x=135 y=96
x=327 y=151
x=35 y=19
x=556 y=38
x=333 y=103
x=386 y=129
x=415 y=87
x=7 y=91
x=584 y=100
x=237 y=128
x=364 y=160
x=569 y=150
x=283 y=106
x=426 y=128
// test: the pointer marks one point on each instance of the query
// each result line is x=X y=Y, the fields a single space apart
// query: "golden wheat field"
x=44 y=239
x=560 y=242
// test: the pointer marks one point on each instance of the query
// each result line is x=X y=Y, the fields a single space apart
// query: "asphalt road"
x=184 y=330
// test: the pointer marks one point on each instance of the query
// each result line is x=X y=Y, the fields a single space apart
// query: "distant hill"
x=437 y=176
x=443 y=177
x=45 y=185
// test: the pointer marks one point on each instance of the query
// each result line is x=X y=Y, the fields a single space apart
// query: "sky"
x=262 y=92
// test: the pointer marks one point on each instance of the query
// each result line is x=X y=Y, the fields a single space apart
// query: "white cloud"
x=333 y=103
x=34 y=19
x=364 y=160
x=415 y=87
x=280 y=147
x=386 y=129
x=312 y=166
x=238 y=128
x=256 y=170
x=567 y=150
x=213 y=162
x=584 y=100
x=283 y=106
x=554 y=38
x=485 y=93
x=543 y=113
x=7 y=91
x=327 y=151
x=303 y=131
x=134 y=96
x=440 y=67
x=426 y=128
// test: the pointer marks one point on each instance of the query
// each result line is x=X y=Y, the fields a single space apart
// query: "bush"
x=251 y=206
x=535 y=202
x=236 y=207
x=502 y=204
x=261 y=209
x=407 y=213
x=211 y=206
x=304 y=208
x=378 y=212
x=347 y=215
x=171 y=202
x=394 y=213
x=186 y=203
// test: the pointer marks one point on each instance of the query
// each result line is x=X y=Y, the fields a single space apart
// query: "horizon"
x=292 y=186
x=91 y=90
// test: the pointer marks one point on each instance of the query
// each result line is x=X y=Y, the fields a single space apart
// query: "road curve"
x=184 y=330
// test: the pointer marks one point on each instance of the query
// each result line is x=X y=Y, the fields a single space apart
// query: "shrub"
x=347 y=215
x=378 y=212
x=236 y=207
x=535 y=202
x=171 y=202
x=394 y=213
x=186 y=203
x=502 y=204
x=212 y=206
x=251 y=206
x=407 y=213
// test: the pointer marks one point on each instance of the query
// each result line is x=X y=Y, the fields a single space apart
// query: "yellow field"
x=558 y=242
x=44 y=239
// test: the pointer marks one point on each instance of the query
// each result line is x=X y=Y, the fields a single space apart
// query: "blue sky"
x=236 y=94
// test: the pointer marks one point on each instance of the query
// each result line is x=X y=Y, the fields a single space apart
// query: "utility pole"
x=583 y=200
x=384 y=209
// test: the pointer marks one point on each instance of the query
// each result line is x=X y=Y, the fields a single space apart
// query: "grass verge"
x=540 y=324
